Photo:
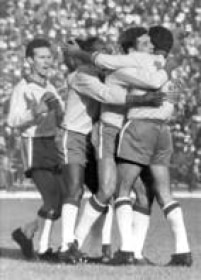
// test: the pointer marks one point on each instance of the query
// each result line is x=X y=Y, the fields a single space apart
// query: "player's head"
x=161 y=38
x=92 y=44
x=35 y=44
x=39 y=56
x=135 y=38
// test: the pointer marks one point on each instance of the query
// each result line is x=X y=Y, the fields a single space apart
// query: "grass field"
x=158 y=248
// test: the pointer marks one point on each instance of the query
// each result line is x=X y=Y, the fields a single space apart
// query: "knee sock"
x=45 y=236
x=174 y=215
x=124 y=214
x=141 y=221
x=68 y=220
x=107 y=226
x=93 y=209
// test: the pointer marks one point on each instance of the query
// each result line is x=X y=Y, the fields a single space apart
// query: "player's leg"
x=107 y=186
x=49 y=188
x=97 y=204
x=127 y=175
x=38 y=154
x=134 y=150
x=174 y=215
x=141 y=215
x=73 y=176
x=73 y=171
x=171 y=208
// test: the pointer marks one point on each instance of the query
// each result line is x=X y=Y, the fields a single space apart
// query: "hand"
x=39 y=109
x=171 y=64
x=71 y=49
x=50 y=100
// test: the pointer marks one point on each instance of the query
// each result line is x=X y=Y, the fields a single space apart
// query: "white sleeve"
x=149 y=78
x=114 y=62
x=19 y=114
x=92 y=87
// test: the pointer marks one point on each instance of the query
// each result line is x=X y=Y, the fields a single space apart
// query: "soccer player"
x=85 y=86
x=145 y=141
x=36 y=110
x=111 y=121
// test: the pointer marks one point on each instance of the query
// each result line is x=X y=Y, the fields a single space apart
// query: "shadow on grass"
x=9 y=253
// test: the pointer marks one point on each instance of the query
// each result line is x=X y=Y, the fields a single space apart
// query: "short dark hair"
x=90 y=44
x=128 y=38
x=34 y=44
x=161 y=38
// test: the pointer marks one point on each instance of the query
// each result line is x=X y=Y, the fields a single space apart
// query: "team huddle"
x=111 y=134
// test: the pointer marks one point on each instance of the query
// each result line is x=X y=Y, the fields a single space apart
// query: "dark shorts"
x=145 y=142
x=39 y=153
x=105 y=140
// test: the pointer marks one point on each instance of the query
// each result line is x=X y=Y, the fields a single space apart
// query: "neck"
x=39 y=79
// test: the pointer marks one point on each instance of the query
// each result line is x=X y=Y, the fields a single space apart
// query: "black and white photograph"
x=100 y=139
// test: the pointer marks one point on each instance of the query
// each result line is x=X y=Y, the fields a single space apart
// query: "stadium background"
x=21 y=20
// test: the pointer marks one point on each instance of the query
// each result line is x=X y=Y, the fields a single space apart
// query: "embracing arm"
x=91 y=86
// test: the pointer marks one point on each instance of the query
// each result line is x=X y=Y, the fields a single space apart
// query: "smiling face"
x=144 y=44
x=41 y=61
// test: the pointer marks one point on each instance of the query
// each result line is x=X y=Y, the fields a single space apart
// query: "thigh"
x=107 y=177
x=48 y=186
x=162 y=188
x=73 y=176
x=144 y=189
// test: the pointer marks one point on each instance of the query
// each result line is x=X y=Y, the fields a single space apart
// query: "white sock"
x=124 y=215
x=107 y=226
x=175 y=218
x=91 y=213
x=45 y=236
x=68 y=220
x=140 y=227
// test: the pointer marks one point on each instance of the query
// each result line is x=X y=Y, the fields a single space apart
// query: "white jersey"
x=20 y=116
x=134 y=70
x=85 y=94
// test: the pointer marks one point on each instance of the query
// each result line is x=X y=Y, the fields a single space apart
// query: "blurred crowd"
x=61 y=20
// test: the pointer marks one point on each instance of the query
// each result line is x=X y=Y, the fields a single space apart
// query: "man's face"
x=144 y=44
x=41 y=61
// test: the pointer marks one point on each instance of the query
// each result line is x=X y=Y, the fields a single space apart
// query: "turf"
x=158 y=247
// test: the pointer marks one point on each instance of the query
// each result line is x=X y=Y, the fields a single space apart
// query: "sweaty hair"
x=128 y=38
x=161 y=38
x=35 y=44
